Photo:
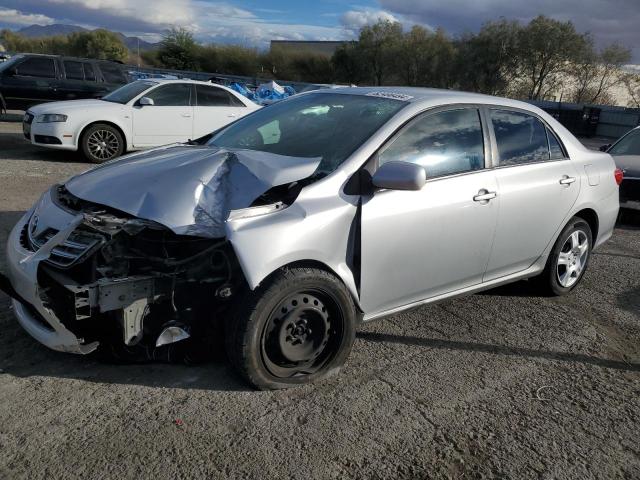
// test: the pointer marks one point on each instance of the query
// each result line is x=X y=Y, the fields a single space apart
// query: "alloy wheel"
x=103 y=144
x=572 y=258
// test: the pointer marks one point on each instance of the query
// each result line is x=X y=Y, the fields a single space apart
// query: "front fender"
x=318 y=231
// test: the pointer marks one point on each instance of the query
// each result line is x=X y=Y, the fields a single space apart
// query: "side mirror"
x=146 y=101
x=604 y=148
x=400 y=176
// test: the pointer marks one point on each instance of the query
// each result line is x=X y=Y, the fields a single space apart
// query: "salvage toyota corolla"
x=297 y=222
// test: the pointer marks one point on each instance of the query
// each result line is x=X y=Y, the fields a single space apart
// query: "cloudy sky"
x=255 y=22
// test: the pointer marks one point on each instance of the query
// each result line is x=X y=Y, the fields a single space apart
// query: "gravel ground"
x=503 y=384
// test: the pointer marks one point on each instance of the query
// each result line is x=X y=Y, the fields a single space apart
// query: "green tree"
x=487 y=62
x=178 y=50
x=237 y=60
x=348 y=64
x=101 y=44
x=546 y=50
x=379 y=45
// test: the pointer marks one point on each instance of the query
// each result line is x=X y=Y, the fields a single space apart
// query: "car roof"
x=180 y=80
x=66 y=57
x=432 y=96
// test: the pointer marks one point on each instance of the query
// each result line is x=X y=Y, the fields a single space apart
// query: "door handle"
x=484 y=196
x=567 y=180
x=186 y=115
x=231 y=115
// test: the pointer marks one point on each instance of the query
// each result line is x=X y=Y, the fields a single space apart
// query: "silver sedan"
x=282 y=232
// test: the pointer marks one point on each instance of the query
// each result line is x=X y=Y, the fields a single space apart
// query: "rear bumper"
x=29 y=308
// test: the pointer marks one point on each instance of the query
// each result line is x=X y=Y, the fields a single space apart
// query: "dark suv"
x=30 y=79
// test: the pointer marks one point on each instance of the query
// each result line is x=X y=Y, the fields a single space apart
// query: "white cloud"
x=14 y=17
x=154 y=12
x=354 y=20
x=608 y=20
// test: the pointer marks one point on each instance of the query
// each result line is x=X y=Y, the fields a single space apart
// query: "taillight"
x=619 y=175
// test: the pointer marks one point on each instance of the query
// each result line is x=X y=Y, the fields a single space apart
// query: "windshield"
x=629 y=145
x=329 y=126
x=128 y=92
x=9 y=63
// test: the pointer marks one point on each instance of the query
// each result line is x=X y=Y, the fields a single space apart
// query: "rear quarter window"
x=216 y=97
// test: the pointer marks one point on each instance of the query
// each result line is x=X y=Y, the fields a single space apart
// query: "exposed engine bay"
x=133 y=282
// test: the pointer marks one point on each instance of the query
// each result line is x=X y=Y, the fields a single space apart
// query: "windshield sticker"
x=393 y=95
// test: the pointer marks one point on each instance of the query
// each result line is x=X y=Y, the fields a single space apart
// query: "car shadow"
x=14 y=146
x=436 y=343
x=628 y=219
x=23 y=357
x=522 y=288
x=630 y=300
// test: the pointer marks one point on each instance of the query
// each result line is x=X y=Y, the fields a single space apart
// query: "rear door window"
x=89 y=74
x=521 y=138
x=37 y=67
x=216 y=97
x=73 y=70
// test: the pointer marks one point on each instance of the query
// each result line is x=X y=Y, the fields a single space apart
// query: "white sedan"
x=142 y=114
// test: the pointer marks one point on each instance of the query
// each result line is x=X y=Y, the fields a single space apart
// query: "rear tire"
x=568 y=259
x=297 y=327
x=102 y=142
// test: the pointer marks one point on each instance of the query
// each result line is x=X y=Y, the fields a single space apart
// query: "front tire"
x=569 y=258
x=102 y=142
x=298 y=327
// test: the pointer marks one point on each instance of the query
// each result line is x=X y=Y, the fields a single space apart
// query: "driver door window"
x=176 y=95
x=444 y=143
x=168 y=120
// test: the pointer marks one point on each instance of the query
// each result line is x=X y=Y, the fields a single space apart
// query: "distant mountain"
x=50 y=30
x=132 y=43
x=60 y=29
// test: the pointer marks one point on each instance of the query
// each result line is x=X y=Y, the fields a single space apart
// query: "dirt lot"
x=499 y=385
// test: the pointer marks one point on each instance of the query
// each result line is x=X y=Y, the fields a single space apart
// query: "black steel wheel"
x=296 y=328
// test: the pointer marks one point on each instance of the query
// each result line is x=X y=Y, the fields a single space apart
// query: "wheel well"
x=591 y=217
x=104 y=122
x=322 y=266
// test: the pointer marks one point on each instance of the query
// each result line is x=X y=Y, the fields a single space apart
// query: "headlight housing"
x=51 y=117
x=255 y=211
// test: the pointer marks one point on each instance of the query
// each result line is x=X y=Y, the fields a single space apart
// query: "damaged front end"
x=110 y=278
x=135 y=254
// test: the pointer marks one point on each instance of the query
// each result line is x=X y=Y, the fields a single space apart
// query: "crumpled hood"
x=189 y=189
